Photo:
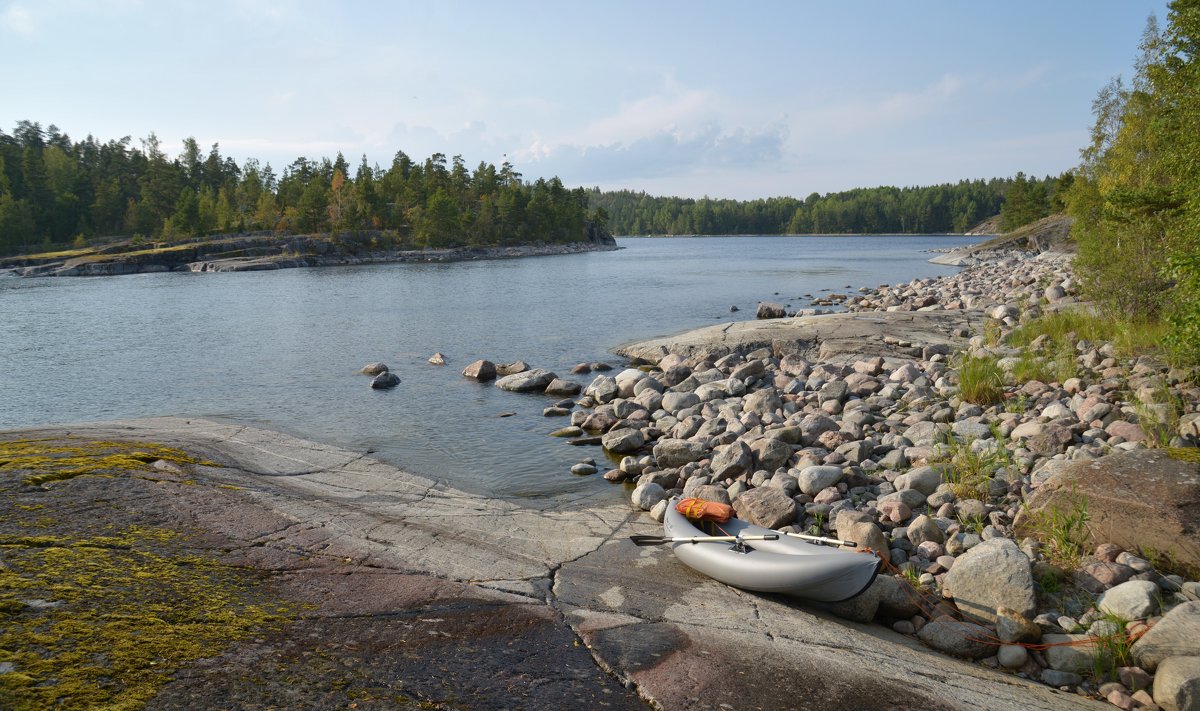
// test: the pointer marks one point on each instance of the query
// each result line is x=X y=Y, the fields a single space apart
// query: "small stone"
x=374 y=369
x=1058 y=678
x=437 y=359
x=481 y=370
x=1012 y=656
x=583 y=469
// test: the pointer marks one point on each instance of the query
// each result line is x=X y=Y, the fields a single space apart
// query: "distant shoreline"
x=195 y=260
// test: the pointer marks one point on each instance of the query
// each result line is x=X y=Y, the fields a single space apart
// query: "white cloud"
x=669 y=151
x=17 y=19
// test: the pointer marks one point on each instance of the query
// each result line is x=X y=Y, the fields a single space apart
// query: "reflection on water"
x=282 y=349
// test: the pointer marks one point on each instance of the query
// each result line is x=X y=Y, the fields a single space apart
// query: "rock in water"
x=481 y=370
x=526 y=381
x=518 y=366
x=770 y=309
x=437 y=359
x=385 y=380
x=374 y=369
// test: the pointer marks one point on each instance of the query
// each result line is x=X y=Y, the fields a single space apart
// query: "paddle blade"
x=648 y=540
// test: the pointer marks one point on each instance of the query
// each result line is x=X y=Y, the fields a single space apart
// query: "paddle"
x=659 y=540
x=835 y=541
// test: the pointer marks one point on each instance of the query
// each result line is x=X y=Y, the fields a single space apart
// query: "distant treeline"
x=884 y=210
x=54 y=191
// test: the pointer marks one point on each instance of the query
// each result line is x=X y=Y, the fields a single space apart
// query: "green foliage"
x=1136 y=195
x=980 y=380
x=1026 y=201
x=52 y=189
x=882 y=210
x=968 y=469
x=1062 y=526
x=1111 y=650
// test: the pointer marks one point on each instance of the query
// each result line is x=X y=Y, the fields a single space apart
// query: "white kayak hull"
x=787 y=566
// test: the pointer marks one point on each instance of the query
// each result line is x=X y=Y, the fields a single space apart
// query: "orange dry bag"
x=701 y=510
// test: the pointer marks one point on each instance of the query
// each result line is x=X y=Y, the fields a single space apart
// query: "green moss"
x=42 y=461
x=1184 y=454
x=102 y=621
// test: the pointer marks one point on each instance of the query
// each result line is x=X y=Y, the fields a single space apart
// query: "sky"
x=725 y=99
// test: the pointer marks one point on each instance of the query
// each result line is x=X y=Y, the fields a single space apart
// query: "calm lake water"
x=282 y=349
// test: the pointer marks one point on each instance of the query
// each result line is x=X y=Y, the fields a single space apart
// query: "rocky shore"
x=1051 y=533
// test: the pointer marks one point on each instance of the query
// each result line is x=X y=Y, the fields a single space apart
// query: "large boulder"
x=994 y=573
x=770 y=453
x=626 y=439
x=526 y=381
x=1177 y=684
x=677 y=452
x=1176 y=634
x=766 y=506
x=1140 y=499
x=817 y=477
x=733 y=460
x=1132 y=600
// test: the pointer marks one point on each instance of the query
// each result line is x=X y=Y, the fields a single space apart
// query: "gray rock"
x=1132 y=600
x=1012 y=626
x=865 y=533
x=770 y=454
x=712 y=492
x=762 y=402
x=677 y=452
x=923 y=434
x=813 y=479
x=517 y=366
x=1176 y=634
x=733 y=460
x=951 y=636
x=970 y=430
x=835 y=390
x=896 y=598
x=374 y=369
x=583 y=469
x=481 y=370
x=645 y=496
x=1068 y=658
x=626 y=439
x=994 y=573
x=766 y=506
x=924 y=479
x=602 y=389
x=673 y=401
x=385 y=380
x=563 y=388
x=1177 y=684
x=534 y=380
x=909 y=497
x=770 y=309
x=1059 y=679
x=1012 y=656
x=861 y=607
x=924 y=529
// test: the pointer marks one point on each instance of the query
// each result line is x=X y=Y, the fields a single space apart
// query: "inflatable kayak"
x=785 y=565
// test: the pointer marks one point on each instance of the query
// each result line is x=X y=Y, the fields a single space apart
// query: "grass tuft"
x=980 y=380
